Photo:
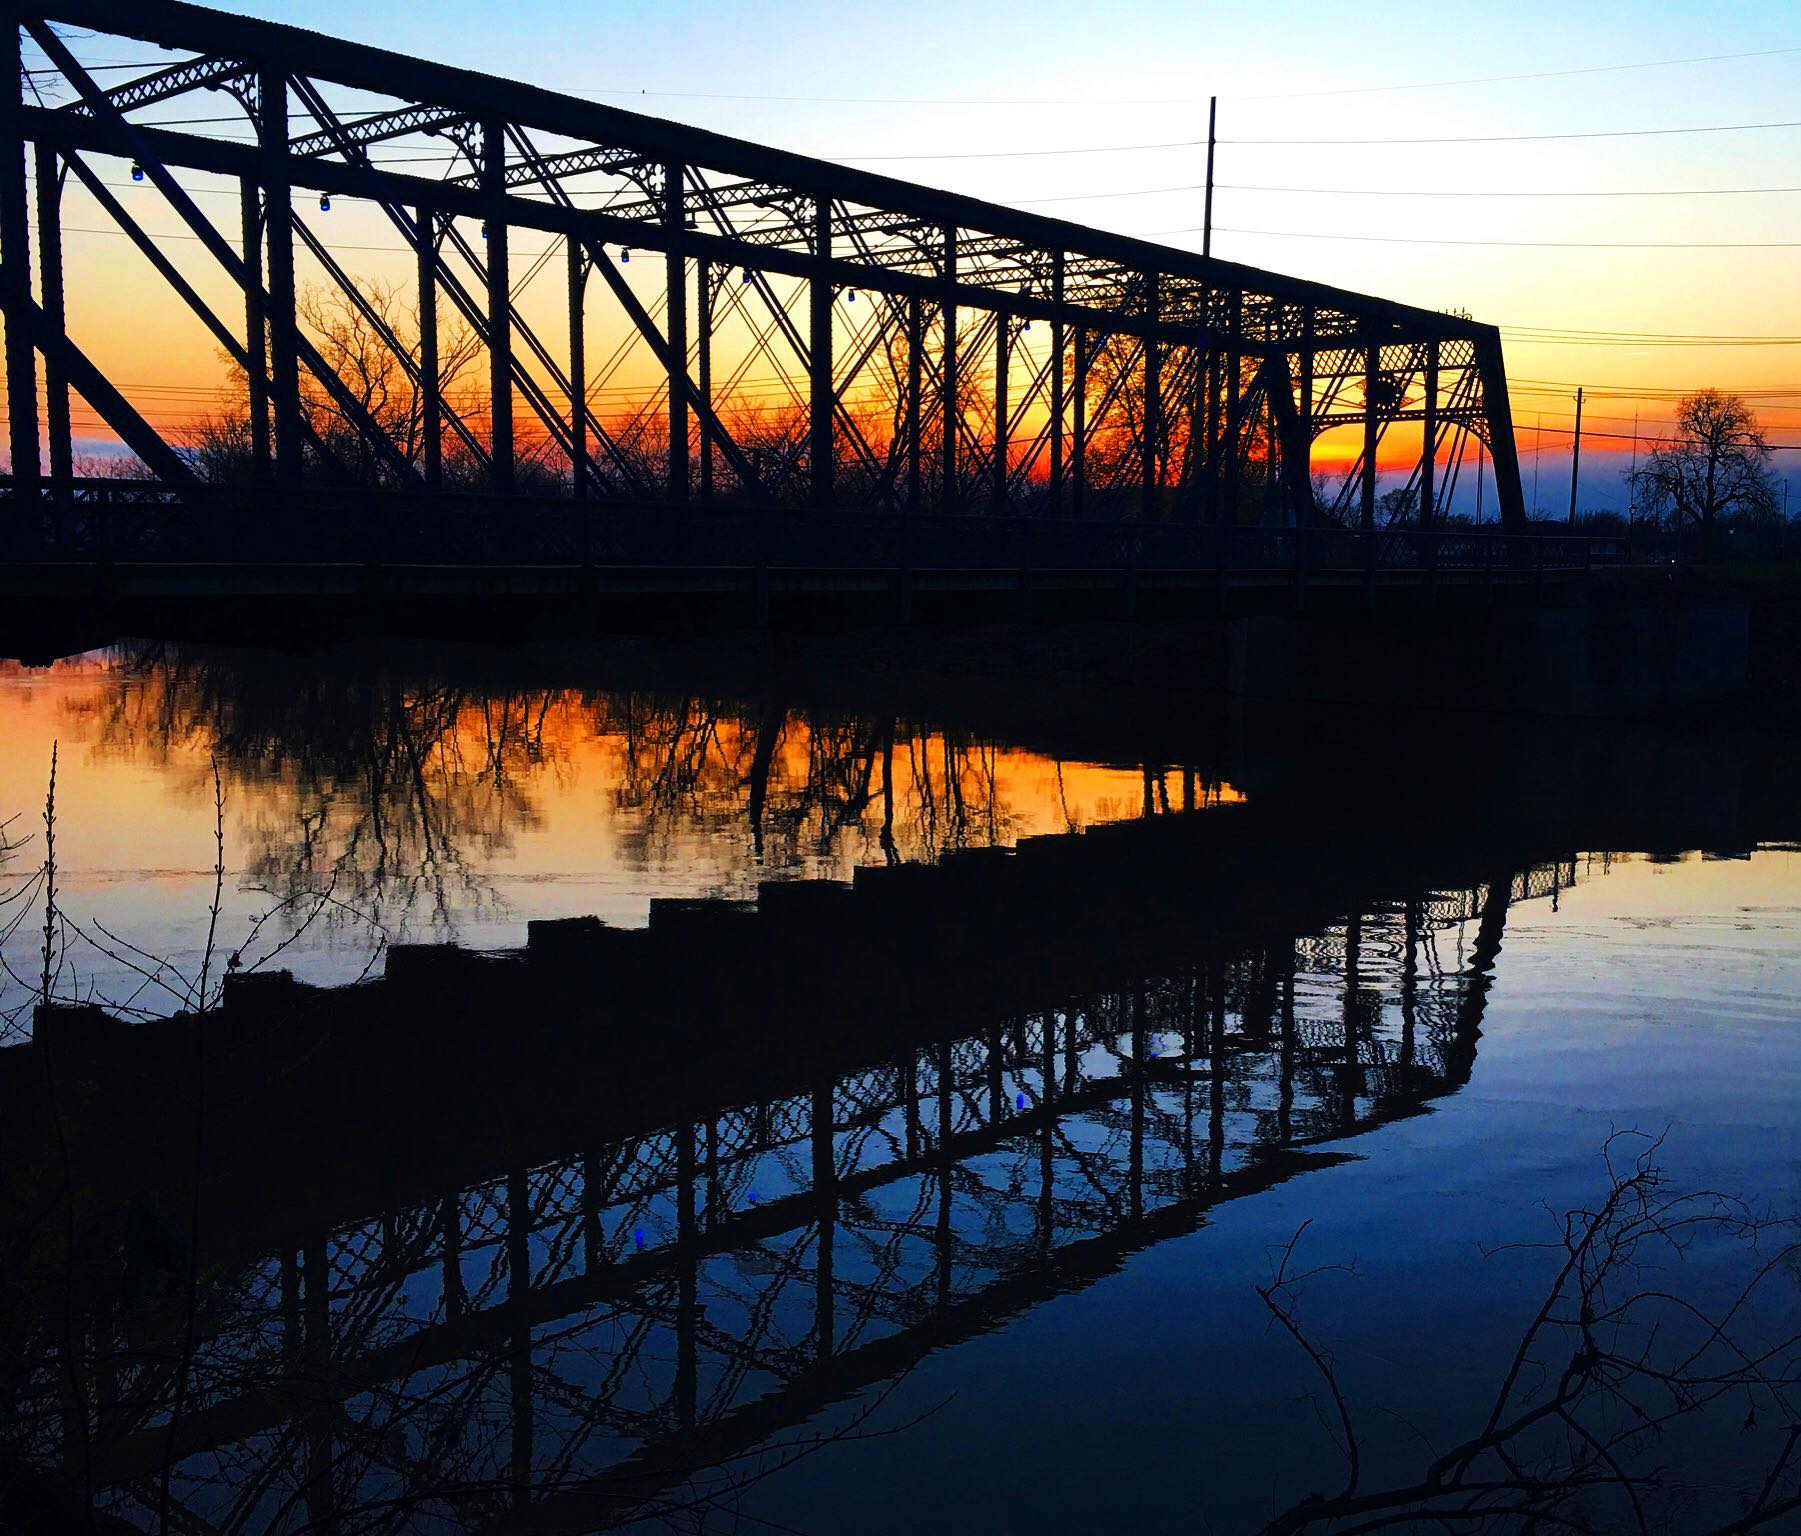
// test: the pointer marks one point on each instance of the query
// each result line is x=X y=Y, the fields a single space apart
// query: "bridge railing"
x=124 y=522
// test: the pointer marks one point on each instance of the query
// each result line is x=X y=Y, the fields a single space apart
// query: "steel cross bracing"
x=702 y=1285
x=766 y=330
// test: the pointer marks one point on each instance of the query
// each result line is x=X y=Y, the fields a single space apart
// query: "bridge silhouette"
x=838 y=373
x=643 y=1253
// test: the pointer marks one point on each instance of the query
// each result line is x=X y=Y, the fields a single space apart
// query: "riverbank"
x=1675 y=643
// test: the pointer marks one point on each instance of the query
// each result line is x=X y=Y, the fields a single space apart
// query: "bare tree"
x=1716 y=468
x=353 y=340
x=1608 y=1416
x=350 y=338
x=1399 y=507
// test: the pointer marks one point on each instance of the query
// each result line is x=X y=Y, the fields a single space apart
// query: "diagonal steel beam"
x=472 y=312
x=372 y=317
x=654 y=337
x=216 y=243
x=167 y=270
x=94 y=387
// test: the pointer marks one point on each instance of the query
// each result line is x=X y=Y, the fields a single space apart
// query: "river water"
x=1013 y=1284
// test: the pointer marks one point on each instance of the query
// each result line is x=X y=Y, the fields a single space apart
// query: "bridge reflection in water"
x=575 y=1340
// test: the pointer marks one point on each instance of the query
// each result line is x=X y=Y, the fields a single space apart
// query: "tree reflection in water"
x=401 y=781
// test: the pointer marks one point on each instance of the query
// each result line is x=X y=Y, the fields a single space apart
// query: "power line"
x=1494 y=138
x=1641 y=437
x=1577 y=330
x=1179 y=101
x=1120 y=149
x=1239 y=186
x=1110 y=101
x=1482 y=192
x=1574 y=245
x=1537 y=335
x=1229 y=186
x=1656 y=391
x=1533 y=138
x=1546 y=74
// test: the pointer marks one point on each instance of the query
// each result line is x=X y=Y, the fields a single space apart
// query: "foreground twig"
x=1585 y=1431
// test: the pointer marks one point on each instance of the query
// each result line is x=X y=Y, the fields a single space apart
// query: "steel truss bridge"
x=805 y=341
x=566 y=1343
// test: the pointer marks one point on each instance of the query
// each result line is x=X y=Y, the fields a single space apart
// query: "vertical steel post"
x=48 y=177
x=431 y=406
x=319 y=1492
x=519 y=1282
x=256 y=328
x=278 y=231
x=947 y=380
x=1304 y=470
x=825 y=1191
x=1232 y=387
x=687 y=1316
x=821 y=451
x=1135 y=1147
x=1216 y=1070
x=1153 y=403
x=1285 y=1070
x=1269 y=451
x=941 y=1238
x=500 y=303
x=1210 y=497
x=1410 y=974
x=1047 y=1163
x=1078 y=448
x=1057 y=343
x=594 y=1253
x=675 y=276
x=577 y=263
x=1234 y=359
x=1372 y=366
x=916 y=340
x=1350 y=1014
x=1429 y=440
x=15 y=273
x=1003 y=339
x=703 y=320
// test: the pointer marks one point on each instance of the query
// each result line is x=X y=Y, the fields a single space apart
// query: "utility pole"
x=1538 y=437
x=1207 y=207
x=1576 y=456
x=1632 y=475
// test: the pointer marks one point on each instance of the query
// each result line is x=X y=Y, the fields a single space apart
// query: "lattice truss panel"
x=571 y=300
